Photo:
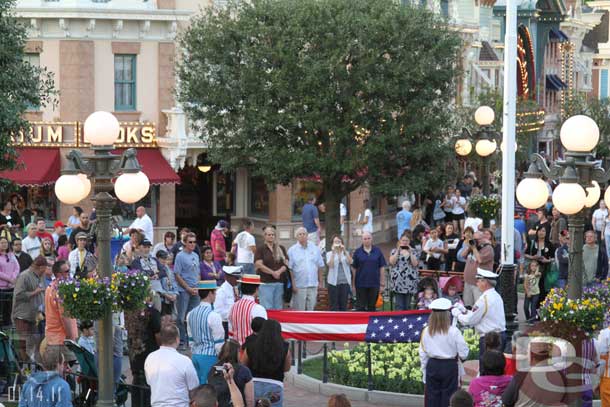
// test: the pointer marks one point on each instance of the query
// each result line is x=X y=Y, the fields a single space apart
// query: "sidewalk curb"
x=382 y=398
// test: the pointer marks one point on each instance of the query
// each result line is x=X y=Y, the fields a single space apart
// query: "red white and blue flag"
x=378 y=327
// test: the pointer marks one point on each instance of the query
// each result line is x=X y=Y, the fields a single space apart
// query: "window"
x=225 y=193
x=259 y=197
x=126 y=213
x=302 y=189
x=124 y=82
x=34 y=60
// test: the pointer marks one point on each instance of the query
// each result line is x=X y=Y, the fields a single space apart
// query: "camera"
x=219 y=370
x=471 y=242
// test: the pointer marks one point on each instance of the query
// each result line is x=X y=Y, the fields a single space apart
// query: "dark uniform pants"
x=441 y=381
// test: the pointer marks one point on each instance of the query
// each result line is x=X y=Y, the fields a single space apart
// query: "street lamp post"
x=485 y=143
x=579 y=175
x=101 y=129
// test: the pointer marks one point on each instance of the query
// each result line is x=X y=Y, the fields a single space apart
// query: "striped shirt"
x=205 y=330
x=241 y=315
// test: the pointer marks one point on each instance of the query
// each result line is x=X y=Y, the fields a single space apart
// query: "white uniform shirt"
x=487 y=314
x=441 y=346
x=145 y=225
x=225 y=298
x=167 y=369
x=602 y=349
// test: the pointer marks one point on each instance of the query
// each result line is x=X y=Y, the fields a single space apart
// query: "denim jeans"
x=337 y=295
x=529 y=307
x=185 y=303
x=270 y=391
x=247 y=268
x=271 y=295
x=402 y=302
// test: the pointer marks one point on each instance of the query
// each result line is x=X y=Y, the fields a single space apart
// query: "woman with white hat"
x=440 y=347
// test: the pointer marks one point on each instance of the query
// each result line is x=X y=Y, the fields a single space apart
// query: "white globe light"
x=86 y=184
x=125 y=190
x=484 y=116
x=130 y=187
x=532 y=193
x=69 y=189
x=101 y=129
x=463 y=147
x=485 y=147
x=593 y=194
x=579 y=133
x=502 y=146
x=569 y=198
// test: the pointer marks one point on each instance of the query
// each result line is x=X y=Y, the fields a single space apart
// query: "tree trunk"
x=332 y=200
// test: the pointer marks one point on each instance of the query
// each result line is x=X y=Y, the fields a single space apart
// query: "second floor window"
x=124 y=82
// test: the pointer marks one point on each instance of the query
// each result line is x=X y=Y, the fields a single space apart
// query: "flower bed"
x=395 y=367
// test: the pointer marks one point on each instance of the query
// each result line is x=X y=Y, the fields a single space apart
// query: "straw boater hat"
x=253 y=279
x=441 y=304
x=207 y=285
x=232 y=270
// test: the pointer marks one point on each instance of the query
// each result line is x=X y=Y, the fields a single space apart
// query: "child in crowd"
x=487 y=389
x=169 y=288
x=428 y=292
x=461 y=398
x=121 y=262
x=230 y=259
x=532 y=291
x=452 y=286
x=87 y=337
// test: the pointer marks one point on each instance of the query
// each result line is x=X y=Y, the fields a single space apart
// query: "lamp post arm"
x=552 y=172
x=600 y=175
x=78 y=164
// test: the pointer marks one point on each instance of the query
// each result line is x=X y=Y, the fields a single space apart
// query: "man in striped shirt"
x=245 y=309
x=206 y=334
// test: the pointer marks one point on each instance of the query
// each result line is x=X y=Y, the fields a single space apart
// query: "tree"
x=21 y=85
x=350 y=91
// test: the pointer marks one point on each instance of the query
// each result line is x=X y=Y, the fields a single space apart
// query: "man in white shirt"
x=306 y=263
x=166 y=369
x=31 y=243
x=245 y=245
x=342 y=217
x=143 y=223
x=226 y=295
x=367 y=219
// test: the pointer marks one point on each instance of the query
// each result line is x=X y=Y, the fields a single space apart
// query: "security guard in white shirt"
x=440 y=347
x=226 y=294
x=487 y=314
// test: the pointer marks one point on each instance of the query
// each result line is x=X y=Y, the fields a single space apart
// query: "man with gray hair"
x=403 y=218
x=305 y=261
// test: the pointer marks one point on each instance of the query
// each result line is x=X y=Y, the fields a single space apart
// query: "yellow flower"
x=74 y=295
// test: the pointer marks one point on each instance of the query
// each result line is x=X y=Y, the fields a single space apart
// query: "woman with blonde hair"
x=440 y=347
x=418 y=219
x=271 y=263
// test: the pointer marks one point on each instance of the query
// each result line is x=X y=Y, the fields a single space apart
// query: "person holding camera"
x=228 y=373
x=339 y=275
x=478 y=253
x=403 y=272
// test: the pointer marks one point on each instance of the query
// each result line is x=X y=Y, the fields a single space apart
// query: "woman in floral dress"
x=403 y=272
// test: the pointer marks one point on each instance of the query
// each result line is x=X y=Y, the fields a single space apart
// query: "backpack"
x=223 y=394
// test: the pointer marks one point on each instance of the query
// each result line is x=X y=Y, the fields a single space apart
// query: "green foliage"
x=86 y=299
x=353 y=91
x=395 y=367
x=132 y=289
x=486 y=208
x=21 y=84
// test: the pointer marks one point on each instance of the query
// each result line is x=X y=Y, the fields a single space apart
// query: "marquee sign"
x=70 y=134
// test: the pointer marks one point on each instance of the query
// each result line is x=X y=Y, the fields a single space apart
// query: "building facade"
x=119 y=56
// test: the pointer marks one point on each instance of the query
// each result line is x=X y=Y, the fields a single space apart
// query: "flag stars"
x=381 y=327
x=395 y=326
x=375 y=321
x=419 y=318
x=373 y=335
x=410 y=326
x=390 y=320
x=404 y=320
x=402 y=334
x=387 y=334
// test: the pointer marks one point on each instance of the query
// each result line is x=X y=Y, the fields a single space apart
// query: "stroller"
x=87 y=378
x=9 y=365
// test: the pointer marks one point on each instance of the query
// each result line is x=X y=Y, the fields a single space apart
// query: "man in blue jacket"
x=48 y=388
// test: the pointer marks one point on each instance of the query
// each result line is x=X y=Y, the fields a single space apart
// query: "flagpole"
x=508 y=165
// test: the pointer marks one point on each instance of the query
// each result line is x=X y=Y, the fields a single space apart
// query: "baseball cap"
x=59 y=224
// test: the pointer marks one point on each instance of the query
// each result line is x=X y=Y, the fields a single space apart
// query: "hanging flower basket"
x=586 y=315
x=132 y=290
x=483 y=207
x=86 y=299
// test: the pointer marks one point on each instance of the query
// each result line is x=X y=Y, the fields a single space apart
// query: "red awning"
x=155 y=166
x=36 y=166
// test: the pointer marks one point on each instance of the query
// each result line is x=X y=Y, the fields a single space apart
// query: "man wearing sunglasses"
x=186 y=271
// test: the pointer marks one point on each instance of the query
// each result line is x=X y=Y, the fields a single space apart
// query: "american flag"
x=378 y=327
